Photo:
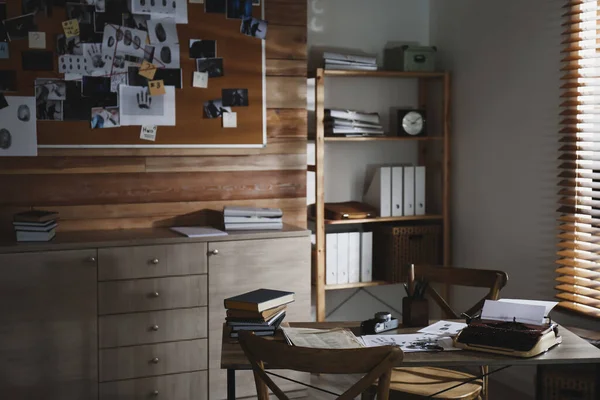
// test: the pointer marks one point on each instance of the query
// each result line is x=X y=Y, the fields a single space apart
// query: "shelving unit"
x=441 y=138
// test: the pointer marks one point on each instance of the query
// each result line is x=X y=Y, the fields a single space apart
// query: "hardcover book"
x=259 y=300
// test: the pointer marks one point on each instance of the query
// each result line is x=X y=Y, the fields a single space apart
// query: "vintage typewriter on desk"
x=508 y=338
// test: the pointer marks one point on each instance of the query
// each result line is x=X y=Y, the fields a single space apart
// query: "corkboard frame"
x=190 y=123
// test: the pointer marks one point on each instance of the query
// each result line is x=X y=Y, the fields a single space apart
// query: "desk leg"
x=230 y=384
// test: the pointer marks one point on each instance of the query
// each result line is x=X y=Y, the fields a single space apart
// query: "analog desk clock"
x=411 y=122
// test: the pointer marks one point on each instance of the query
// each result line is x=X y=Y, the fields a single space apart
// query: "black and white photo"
x=19 y=27
x=33 y=6
x=118 y=40
x=150 y=7
x=238 y=9
x=214 y=66
x=162 y=31
x=70 y=64
x=65 y=45
x=215 y=109
x=96 y=63
x=46 y=109
x=100 y=6
x=139 y=22
x=56 y=89
x=235 y=97
x=215 y=6
x=84 y=14
x=105 y=117
x=95 y=86
x=254 y=27
x=167 y=56
x=138 y=107
x=8 y=81
x=18 y=134
x=203 y=48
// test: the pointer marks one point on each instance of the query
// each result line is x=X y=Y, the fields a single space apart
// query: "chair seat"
x=427 y=381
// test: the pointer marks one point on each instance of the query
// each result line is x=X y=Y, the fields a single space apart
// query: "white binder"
x=354 y=257
x=419 y=190
x=409 y=190
x=331 y=256
x=397 y=191
x=366 y=257
x=342 y=258
x=379 y=192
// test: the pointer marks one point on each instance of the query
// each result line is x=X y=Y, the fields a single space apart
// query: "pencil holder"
x=415 y=312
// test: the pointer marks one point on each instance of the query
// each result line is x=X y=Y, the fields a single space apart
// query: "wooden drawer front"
x=151 y=294
x=152 y=327
x=152 y=360
x=186 y=386
x=151 y=261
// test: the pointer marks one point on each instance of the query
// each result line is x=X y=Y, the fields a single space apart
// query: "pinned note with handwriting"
x=71 y=28
x=148 y=133
x=147 y=70
x=157 y=88
x=37 y=40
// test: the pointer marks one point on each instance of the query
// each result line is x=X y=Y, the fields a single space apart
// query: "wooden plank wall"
x=141 y=188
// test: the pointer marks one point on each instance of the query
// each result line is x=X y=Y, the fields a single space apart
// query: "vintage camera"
x=383 y=321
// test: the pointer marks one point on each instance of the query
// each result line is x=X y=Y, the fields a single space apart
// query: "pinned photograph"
x=138 y=107
x=162 y=31
x=100 y=6
x=139 y=22
x=203 y=48
x=214 y=66
x=4 y=53
x=215 y=6
x=18 y=134
x=19 y=27
x=170 y=76
x=96 y=63
x=46 y=109
x=118 y=40
x=8 y=81
x=215 y=109
x=154 y=7
x=235 y=97
x=167 y=56
x=94 y=86
x=82 y=13
x=55 y=89
x=33 y=6
x=237 y=9
x=72 y=64
x=105 y=117
x=254 y=27
x=65 y=45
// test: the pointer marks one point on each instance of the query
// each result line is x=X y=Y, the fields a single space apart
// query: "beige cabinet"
x=48 y=325
x=240 y=266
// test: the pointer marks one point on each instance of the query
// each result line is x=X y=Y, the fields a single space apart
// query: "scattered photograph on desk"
x=215 y=6
x=203 y=48
x=84 y=14
x=19 y=27
x=215 y=109
x=254 y=27
x=235 y=97
x=52 y=89
x=238 y=9
x=214 y=66
x=105 y=117
x=65 y=45
x=8 y=81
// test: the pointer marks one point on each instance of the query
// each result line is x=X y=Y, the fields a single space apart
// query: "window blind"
x=578 y=279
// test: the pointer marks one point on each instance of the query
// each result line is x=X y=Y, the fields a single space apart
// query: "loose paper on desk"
x=198 y=231
x=444 y=328
x=411 y=343
x=337 y=338
x=504 y=311
x=549 y=305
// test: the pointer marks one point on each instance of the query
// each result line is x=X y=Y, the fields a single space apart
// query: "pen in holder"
x=415 y=308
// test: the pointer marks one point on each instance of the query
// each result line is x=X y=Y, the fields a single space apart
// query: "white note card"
x=229 y=120
x=504 y=311
x=149 y=133
x=200 y=80
x=37 y=40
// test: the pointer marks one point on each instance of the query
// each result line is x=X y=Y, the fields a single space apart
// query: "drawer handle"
x=154 y=261
x=214 y=252
x=155 y=393
x=92 y=259
x=154 y=294
x=154 y=328
x=155 y=360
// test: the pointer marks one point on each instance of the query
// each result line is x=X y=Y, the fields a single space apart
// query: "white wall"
x=366 y=26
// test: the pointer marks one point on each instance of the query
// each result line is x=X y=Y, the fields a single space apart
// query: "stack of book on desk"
x=249 y=218
x=349 y=62
x=260 y=311
x=35 y=225
x=352 y=123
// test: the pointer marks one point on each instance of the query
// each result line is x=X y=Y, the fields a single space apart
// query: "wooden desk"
x=573 y=350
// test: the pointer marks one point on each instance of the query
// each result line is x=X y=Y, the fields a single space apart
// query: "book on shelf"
x=255 y=315
x=257 y=226
x=35 y=216
x=351 y=115
x=255 y=322
x=338 y=122
x=234 y=335
x=32 y=227
x=355 y=58
x=259 y=327
x=259 y=300
x=252 y=219
x=354 y=131
x=26 y=236
x=354 y=67
x=236 y=211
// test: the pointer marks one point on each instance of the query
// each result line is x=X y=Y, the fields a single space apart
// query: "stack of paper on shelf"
x=35 y=225
x=352 y=123
x=260 y=311
x=250 y=218
x=351 y=62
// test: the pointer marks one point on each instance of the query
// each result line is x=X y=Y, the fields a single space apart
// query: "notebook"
x=259 y=300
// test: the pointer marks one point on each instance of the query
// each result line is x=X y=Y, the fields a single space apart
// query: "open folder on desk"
x=336 y=338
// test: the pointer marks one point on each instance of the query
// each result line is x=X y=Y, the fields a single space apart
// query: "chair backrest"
x=374 y=362
x=482 y=278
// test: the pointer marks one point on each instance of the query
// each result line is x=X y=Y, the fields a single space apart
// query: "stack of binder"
x=352 y=123
x=260 y=311
x=348 y=257
x=351 y=62
x=35 y=226
x=397 y=191
x=250 y=218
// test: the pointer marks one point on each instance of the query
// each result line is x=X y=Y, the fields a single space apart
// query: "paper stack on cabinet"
x=250 y=218
x=352 y=123
x=348 y=257
x=35 y=225
x=341 y=61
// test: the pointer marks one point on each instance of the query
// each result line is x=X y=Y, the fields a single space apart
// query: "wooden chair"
x=376 y=363
x=424 y=382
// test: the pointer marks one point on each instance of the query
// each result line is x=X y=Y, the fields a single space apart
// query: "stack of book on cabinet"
x=352 y=123
x=35 y=225
x=250 y=218
x=349 y=62
x=260 y=311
